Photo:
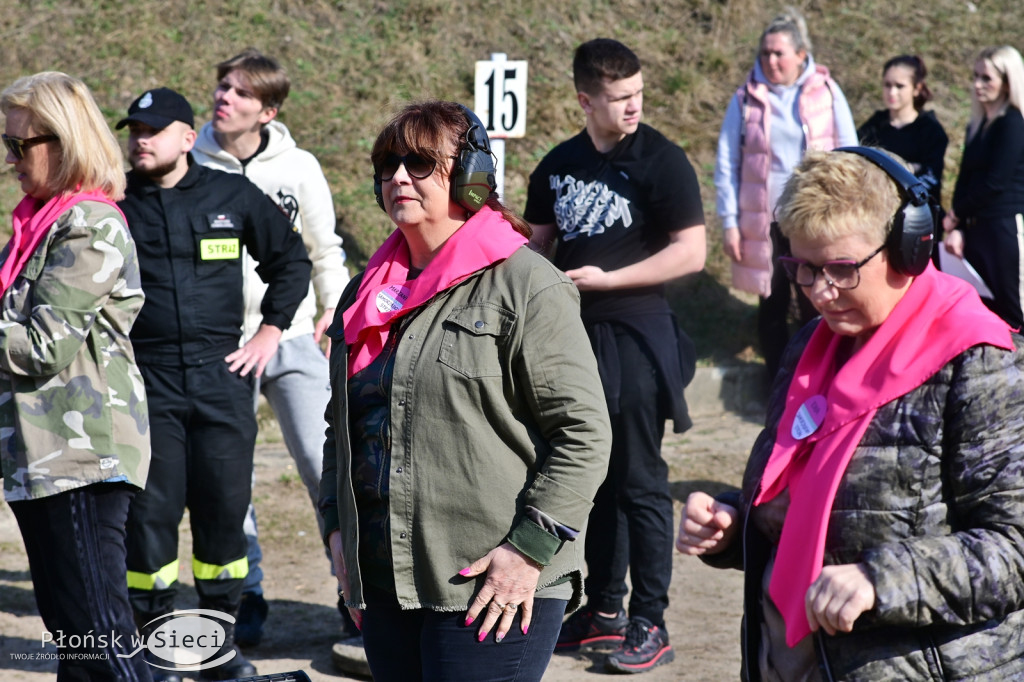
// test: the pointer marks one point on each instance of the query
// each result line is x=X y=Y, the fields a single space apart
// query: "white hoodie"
x=293 y=179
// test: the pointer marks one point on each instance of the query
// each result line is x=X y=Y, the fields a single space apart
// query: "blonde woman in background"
x=986 y=224
x=788 y=105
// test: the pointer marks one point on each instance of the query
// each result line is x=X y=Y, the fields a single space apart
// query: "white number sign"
x=500 y=95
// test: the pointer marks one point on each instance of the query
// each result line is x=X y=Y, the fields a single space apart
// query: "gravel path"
x=702 y=621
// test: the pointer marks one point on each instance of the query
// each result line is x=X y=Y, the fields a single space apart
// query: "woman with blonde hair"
x=880 y=524
x=788 y=105
x=74 y=429
x=986 y=223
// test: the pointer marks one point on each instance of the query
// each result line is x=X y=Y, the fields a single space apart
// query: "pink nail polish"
x=468 y=620
x=526 y=629
x=481 y=637
x=465 y=571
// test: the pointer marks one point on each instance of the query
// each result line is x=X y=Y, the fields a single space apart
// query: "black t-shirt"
x=615 y=209
x=922 y=143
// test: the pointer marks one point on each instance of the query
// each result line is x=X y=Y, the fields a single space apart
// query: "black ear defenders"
x=472 y=179
x=912 y=235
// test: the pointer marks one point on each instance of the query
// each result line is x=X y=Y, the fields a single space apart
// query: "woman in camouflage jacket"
x=74 y=429
x=920 y=573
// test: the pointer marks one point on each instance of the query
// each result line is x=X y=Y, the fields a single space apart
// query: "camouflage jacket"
x=932 y=502
x=72 y=402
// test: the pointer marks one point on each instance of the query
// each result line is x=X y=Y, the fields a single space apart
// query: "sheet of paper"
x=959 y=267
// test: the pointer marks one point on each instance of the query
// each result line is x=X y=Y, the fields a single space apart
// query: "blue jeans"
x=296 y=383
x=434 y=646
x=76 y=552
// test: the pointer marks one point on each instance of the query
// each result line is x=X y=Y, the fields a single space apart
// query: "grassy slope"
x=353 y=62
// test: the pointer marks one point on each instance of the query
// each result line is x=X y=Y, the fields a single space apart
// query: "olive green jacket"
x=496 y=405
x=72 y=402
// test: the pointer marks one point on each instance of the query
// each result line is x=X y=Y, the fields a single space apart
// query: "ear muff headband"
x=473 y=175
x=914 y=224
x=472 y=178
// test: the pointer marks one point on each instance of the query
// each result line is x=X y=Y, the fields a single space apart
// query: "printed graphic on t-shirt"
x=587 y=208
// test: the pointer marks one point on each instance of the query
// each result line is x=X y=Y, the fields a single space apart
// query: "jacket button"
x=401 y=535
x=401 y=403
x=398 y=470
x=479 y=324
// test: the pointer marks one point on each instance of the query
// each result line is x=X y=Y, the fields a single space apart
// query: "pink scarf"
x=32 y=220
x=938 y=318
x=386 y=292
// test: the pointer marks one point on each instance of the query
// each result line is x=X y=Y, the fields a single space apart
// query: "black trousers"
x=773 y=311
x=995 y=247
x=630 y=525
x=203 y=430
x=75 y=543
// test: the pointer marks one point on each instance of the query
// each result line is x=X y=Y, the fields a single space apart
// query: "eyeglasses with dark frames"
x=17 y=145
x=841 y=274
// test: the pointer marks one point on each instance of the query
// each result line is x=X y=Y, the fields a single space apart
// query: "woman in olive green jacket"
x=467 y=432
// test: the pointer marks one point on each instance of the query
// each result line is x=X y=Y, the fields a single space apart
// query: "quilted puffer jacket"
x=932 y=503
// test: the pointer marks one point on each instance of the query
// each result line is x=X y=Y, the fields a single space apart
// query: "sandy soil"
x=702 y=621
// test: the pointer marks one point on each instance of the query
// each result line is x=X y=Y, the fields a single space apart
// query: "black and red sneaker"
x=588 y=628
x=645 y=646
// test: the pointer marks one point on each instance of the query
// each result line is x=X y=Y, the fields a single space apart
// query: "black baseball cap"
x=159 y=108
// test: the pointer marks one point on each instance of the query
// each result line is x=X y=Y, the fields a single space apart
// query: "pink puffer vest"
x=754 y=272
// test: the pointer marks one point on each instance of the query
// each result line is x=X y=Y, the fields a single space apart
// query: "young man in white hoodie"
x=244 y=137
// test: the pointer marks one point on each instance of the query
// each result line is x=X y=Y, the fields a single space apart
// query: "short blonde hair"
x=832 y=195
x=61 y=105
x=791 y=22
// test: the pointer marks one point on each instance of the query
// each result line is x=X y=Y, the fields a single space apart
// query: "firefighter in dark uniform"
x=190 y=225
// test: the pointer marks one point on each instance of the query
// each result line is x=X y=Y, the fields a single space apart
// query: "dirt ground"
x=702 y=621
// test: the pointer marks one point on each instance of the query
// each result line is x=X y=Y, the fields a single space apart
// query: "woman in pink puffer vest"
x=788 y=105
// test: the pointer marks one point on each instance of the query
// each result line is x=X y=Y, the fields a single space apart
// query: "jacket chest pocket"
x=474 y=339
x=217 y=238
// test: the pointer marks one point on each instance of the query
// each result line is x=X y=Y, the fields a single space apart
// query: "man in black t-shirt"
x=621 y=205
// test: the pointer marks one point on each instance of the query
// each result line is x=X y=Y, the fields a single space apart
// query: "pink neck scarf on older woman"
x=386 y=292
x=31 y=220
x=938 y=318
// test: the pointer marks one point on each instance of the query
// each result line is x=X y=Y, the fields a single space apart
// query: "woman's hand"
x=837 y=598
x=731 y=244
x=707 y=527
x=954 y=242
x=511 y=582
x=338 y=555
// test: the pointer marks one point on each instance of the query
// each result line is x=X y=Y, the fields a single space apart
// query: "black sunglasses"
x=18 y=145
x=417 y=166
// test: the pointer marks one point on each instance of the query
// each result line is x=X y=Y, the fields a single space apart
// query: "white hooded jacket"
x=292 y=177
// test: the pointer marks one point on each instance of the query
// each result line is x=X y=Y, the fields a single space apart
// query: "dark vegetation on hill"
x=352 y=63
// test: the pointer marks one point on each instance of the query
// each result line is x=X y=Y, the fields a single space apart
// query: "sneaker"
x=251 y=615
x=587 y=628
x=645 y=647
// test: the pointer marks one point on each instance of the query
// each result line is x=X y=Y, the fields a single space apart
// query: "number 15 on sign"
x=501 y=97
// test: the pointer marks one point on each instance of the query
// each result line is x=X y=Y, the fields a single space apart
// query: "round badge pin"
x=392 y=298
x=809 y=417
